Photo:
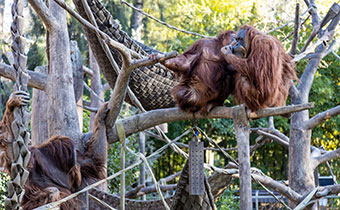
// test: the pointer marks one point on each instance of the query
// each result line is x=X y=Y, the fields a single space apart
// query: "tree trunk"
x=136 y=21
x=39 y=113
x=301 y=176
x=96 y=85
x=78 y=78
x=301 y=173
x=62 y=115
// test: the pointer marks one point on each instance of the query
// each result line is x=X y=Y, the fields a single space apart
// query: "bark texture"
x=39 y=113
x=62 y=113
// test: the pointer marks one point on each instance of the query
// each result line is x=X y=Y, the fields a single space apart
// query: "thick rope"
x=21 y=154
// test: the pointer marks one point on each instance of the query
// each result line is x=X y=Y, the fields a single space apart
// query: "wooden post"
x=122 y=138
x=142 y=166
x=241 y=125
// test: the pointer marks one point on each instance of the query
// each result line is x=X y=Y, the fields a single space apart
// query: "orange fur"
x=264 y=77
x=205 y=79
x=56 y=168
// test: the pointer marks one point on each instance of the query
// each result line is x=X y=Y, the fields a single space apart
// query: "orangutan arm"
x=239 y=64
x=180 y=63
x=97 y=149
x=18 y=98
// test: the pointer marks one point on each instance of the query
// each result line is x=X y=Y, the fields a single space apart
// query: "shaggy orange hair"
x=264 y=76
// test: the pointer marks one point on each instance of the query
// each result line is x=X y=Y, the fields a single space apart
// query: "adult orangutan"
x=264 y=70
x=56 y=168
x=205 y=78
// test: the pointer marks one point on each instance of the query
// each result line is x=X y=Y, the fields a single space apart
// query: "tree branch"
x=277 y=186
x=152 y=118
x=44 y=14
x=321 y=117
x=315 y=22
x=273 y=137
x=124 y=51
x=336 y=55
x=307 y=77
x=325 y=157
x=272 y=131
x=296 y=30
x=272 y=111
x=121 y=85
x=36 y=80
x=326 y=35
x=148 y=61
x=87 y=70
x=327 y=190
x=138 y=192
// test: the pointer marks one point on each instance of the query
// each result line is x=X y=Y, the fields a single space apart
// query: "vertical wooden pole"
x=241 y=125
x=142 y=166
x=122 y=138
x=122 y=176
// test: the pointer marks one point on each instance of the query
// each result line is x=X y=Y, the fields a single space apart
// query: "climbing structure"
x=152 y=86
x=19 y=136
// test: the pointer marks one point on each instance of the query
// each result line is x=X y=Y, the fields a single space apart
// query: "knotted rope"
x=21 y=154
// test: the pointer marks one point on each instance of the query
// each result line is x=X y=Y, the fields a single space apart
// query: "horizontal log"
x=37 y=80
x=152 y=118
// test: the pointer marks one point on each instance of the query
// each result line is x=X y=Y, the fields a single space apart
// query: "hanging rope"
x=21 y=154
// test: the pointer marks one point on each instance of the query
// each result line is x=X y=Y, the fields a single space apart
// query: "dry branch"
x=296 y=30
x=118 y=46
x=315 y=22
x=37 y=80
x=273 y=131
x=277 y=186
x=273 y=137
x=44 y=13
x=120 y=88
x=325 y=157
x=321 y=117
x=121 y=85
x=152 y=118
x=140 y=190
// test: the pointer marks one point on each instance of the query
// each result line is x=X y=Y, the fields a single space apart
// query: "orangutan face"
x=240 y=45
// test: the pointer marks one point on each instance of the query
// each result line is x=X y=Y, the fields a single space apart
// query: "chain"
x=20 y=135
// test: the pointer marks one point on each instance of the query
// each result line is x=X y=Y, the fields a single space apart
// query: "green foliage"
x=4 y=178
x=228 y=201
x=36 y=56
x=207 y=17
x=113 y=163
x=37 y=28
x=119 y=12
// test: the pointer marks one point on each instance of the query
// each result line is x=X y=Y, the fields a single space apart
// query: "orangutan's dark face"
x=240 y=45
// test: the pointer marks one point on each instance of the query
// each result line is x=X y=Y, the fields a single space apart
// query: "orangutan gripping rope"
x=205 y=78
x=264 y=69
x=56 y=169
